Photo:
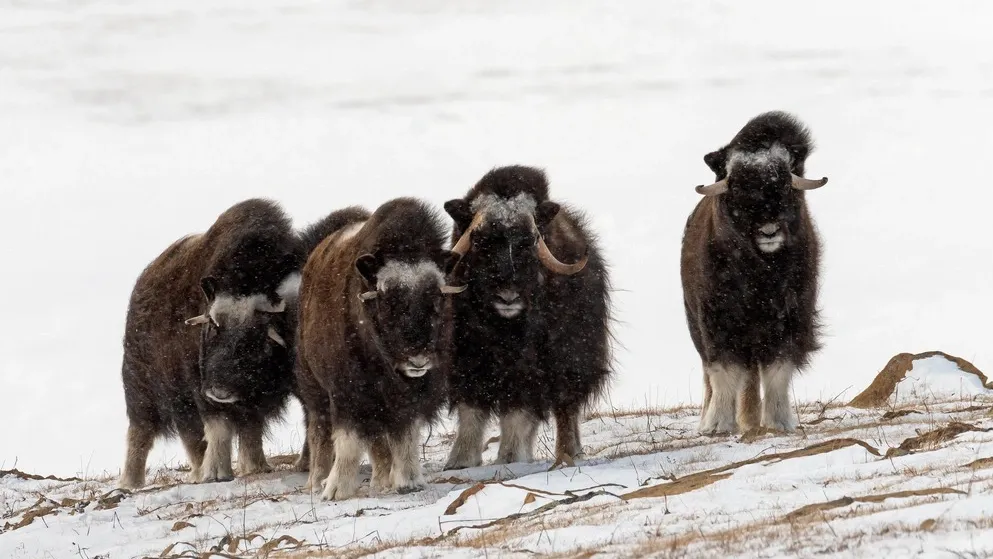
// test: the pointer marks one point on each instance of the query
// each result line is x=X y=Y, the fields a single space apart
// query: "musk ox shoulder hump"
x=512 y=181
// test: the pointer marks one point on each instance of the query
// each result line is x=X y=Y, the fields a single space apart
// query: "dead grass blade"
x=808 y=510
x=705 y=478
x=33 y=477
x=980 y=464
x=463 y=497
x=931 y=439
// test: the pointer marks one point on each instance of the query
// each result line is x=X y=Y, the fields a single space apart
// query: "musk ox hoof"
x=413 y=487
x=787 y=425
x=252 y=469
x=216 y=477
x=130 y=484
x=337 y=488
x=463 y=463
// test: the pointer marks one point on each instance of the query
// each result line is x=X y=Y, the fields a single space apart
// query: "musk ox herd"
x=380 y=322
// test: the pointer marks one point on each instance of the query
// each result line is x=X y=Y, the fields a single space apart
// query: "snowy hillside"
x=909 y=478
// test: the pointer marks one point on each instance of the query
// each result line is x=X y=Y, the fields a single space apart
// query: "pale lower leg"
x=777 y=413
x=467 y=451
x=217 y=460
x=726 y=382
x=518 y=431
x=251 y=456
x=343 y=481
x=405 y=471
x=140 y=440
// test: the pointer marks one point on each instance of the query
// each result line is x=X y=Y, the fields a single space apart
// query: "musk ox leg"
x=749 y=401
x=321 y=448
x=518 y=431
x=217 y=460
x=568 y=445
x=708 y=394
x=467 y=451
x=251 y=456
x=343 y=481
x=140 y=440
x=196 y=448
x=405 y=471
x=726 y=382
x=776 y=410
x=302 y=463
x=382 y=461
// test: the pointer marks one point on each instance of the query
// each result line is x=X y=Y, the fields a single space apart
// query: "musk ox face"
x=503 y=252
x=243 y=349
x=504 y=266
x=404 y=305
x=760 y=194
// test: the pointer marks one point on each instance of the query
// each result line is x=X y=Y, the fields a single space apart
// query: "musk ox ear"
x=460 y=211
x=368 y=265
x=545 y=213
x=717 y=161
x=209 y=286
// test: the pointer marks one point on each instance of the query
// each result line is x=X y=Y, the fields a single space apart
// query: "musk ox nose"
x=769 y=229
x=220 y=395
x=417 y=366
x=508 y=295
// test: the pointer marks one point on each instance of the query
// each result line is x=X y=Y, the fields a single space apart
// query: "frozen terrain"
x=906 y=479
x=125 y=125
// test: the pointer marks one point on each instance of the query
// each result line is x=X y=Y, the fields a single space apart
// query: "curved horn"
x=453 y=289
x=801 y=183
x=274 y=336
x=368 y=296
x=265 y=306
x=463 y=244
x=719 y=187
x=198 y=320
x=554 y=264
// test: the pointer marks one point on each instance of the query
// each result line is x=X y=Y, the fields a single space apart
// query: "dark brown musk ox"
x=310 y=238
x=749 y=270
x=371 y=359
x=206 y=352
x=531 y=335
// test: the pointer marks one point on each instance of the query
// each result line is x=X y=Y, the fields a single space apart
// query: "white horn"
x=198 y=320
x=801 y=183
x=453 y=289
x=274 y=336
x=719 y=187
x=368 y=296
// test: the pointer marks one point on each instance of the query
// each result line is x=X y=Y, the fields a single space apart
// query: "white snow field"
x=905 y=480
x=125 y=125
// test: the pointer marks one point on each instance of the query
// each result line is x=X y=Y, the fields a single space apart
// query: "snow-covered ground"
x=909 y=479
x=125 y=125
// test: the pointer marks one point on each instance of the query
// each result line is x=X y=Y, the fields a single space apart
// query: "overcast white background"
x=125 y=125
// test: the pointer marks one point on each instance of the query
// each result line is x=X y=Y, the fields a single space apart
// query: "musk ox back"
x=749 y=270
x=531 y=333
x=228 y=368
x=371 y=362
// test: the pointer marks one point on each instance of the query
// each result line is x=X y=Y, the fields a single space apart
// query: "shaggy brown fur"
x=250 y=250
x=354 y=363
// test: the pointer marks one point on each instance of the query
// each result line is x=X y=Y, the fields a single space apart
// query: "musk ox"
x=531 y=334
x=310 y=238
x=749 y=270
x=371 y=361
x=226 y=370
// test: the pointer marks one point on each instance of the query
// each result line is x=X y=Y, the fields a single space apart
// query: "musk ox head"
x=760 y=187
x=503 y=251
x=243 y=341
x=403 y=303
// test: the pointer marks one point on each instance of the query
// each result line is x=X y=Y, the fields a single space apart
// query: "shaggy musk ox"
x=749 y=271
x=371 y=362
x=226 y=370
x=531 y=334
